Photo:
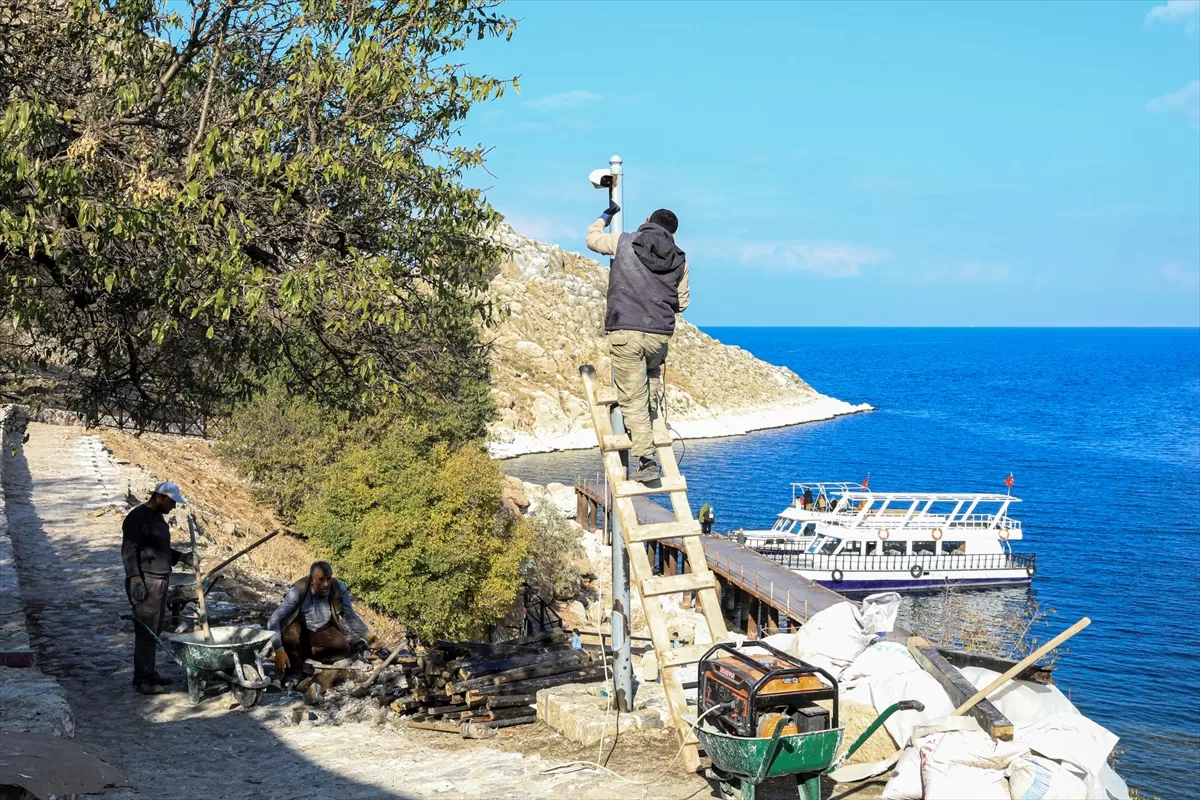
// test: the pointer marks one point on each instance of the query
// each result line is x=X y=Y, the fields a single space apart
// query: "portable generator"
x=759 y=692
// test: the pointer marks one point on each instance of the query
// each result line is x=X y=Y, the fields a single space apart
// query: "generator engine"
x=764 y=690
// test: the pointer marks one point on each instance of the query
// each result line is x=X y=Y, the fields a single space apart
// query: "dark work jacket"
x=146 y=544
x=335 y=604
x=643 y=283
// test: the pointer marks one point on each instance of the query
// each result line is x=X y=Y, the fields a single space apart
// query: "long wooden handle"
x=199 y=585
x=371 y=679
x=1020 y=665
x=241 y=553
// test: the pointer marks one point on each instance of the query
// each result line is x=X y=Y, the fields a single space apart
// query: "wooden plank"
x=615 y=441
x=1035 y=674
x=663 y=530
x=670 y=584
x=688 y=654
x=606 y=396
x=624 y=488
x=959 y=689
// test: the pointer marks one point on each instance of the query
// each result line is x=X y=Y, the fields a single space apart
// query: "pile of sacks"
x=1056 y=752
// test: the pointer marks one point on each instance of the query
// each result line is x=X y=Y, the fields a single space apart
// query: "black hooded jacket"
x=643 y=284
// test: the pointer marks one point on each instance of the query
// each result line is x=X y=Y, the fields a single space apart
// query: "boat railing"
x=891 y=519
x=795 y=558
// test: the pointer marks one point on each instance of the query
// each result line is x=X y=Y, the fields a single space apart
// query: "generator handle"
x=803 y=666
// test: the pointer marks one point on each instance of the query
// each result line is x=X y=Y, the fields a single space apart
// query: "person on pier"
x=647 y=287
x=316 y=620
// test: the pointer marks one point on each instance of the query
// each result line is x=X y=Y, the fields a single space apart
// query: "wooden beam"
x=670 y=584
x=635 y=489
x=1035 y=674
x=959 y=689
x=664 y=530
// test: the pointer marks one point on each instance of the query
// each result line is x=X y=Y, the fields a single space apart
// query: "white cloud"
x=830 y=259
x=563 y=101
x=1186 y=12
x=1176 y=274
x=1186 y=102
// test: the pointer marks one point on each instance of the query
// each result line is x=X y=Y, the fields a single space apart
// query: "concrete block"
x=31 y=702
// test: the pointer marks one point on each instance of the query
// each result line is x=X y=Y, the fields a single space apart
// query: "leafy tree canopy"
x=195 y=196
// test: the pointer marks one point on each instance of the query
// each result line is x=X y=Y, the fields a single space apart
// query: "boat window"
x=852 y=548
x=828 y=546
x=924 y=548
x=810 y=529
x=891 y=548
x=954 y=547
x=872 y=548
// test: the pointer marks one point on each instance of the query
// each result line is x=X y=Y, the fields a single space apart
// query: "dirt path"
x=65 y=505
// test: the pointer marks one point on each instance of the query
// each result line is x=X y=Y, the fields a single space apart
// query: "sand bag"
x=880 y=660
x=1035 y=778
x=916 y=685
x=1023 y=702
x=832 y=638
x=905 y=783
x=878 y=612
x=967 y=765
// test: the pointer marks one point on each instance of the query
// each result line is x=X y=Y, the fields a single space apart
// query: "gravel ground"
x=65 y=505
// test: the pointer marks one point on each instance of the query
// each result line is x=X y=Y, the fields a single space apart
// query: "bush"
x=554 y=556
x=416 y=529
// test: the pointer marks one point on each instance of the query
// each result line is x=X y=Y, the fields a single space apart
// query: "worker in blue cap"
x=147 y=555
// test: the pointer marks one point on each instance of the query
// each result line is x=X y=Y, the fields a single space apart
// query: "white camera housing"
x=601 y=178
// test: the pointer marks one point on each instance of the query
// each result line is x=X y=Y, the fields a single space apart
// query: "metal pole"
x=622 y=656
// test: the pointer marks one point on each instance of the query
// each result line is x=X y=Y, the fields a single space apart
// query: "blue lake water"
x=1101 y=429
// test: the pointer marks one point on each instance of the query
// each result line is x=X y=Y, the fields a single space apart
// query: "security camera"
x=601 y=178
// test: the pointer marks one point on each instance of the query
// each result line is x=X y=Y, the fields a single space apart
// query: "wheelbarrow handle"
x=157 y=638
x=903 y=705
x=769 y=758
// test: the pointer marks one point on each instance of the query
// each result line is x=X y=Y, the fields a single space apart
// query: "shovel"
x=199 y=586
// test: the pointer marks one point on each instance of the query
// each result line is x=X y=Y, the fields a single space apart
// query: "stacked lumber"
x=493 y=685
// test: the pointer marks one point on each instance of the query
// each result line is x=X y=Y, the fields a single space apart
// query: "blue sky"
x=871 y=163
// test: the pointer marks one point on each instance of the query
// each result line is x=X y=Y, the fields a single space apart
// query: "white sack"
x=832 y=638
x=1070 y=737
x=916 y=685
x=1035 y=778
x=780 y=641
x=963 y=764
x=880 y=660
x=878 y=612
x=1023 y=702
x=905 y=783
x=1108 y=786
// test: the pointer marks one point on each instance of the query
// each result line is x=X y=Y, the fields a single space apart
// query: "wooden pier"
x=759 y=597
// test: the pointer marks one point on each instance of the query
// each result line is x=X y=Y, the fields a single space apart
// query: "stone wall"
x=30 y=701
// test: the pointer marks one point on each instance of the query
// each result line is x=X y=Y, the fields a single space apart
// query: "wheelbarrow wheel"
x=247 y=698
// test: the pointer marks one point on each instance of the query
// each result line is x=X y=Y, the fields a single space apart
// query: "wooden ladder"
x=700 y=580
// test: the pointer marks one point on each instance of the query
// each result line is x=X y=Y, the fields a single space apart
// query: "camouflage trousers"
x=637 y=361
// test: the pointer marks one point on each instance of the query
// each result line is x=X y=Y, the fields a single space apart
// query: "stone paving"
x=65 y=506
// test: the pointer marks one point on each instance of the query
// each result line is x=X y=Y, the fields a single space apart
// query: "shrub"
x=554 y=556
x=416 y=529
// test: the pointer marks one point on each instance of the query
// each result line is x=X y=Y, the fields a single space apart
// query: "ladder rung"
x=606 y=396
x=616 y=441
x=689 y=654
x=664 y=530
x=635 y=489
x=662 y=440
x=670 y=584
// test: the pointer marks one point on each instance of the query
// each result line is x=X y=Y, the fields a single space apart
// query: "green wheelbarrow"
x=740 y=764
x=234 y=657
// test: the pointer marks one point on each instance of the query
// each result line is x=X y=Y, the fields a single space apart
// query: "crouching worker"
x=316 y=620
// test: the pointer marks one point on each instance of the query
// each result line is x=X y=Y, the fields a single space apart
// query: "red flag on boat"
x=1009 y=481
x=866 y=480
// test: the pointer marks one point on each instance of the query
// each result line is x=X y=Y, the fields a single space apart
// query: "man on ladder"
x=647 y=287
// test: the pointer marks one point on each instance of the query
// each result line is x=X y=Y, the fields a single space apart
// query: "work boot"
x=646 y=471
x=149 y=687
x=161 y=681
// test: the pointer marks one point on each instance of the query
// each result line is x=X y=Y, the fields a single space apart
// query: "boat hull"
x=853 y=583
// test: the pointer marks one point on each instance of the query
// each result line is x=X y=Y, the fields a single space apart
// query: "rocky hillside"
x=556 y=323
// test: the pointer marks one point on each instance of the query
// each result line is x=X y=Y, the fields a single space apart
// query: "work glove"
x=188 y=560
x=372 y=642
x=281 y=662
x=138 y=590
x=609 y=213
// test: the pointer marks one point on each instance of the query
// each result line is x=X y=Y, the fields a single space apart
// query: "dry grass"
x=218 y=497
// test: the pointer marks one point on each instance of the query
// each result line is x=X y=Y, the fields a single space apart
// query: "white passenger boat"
x=852 y=539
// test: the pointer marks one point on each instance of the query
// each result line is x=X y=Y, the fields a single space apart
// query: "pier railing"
x=797 y=559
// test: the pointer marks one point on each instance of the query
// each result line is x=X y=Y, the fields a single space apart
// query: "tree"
x=418 y=532
x=192 y=203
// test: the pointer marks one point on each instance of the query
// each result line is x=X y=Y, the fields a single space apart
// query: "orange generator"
x=760 y=691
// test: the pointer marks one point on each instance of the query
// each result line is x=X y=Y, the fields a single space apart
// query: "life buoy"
x=916 y=571
x=937 y=534
x=836 y=576
x=1031 y=570
x=1003 y=534
x=884 y=533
